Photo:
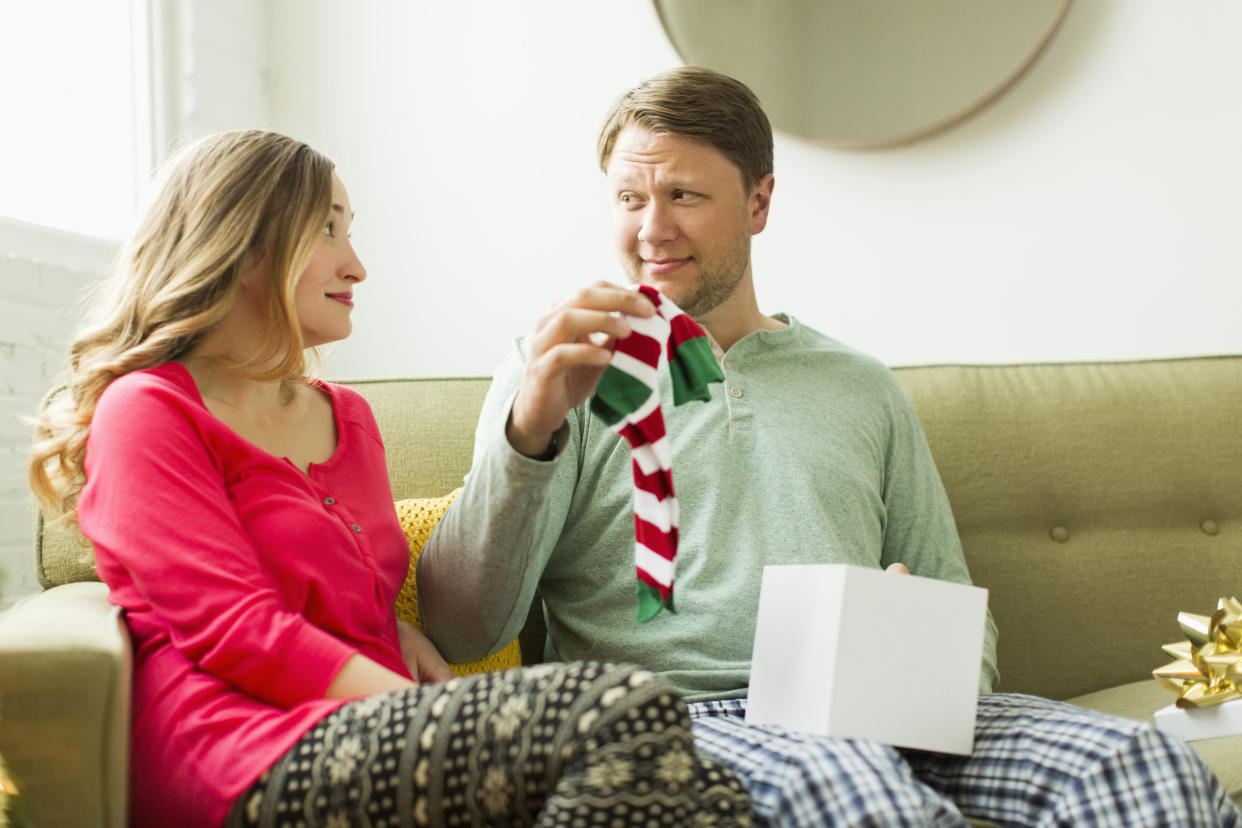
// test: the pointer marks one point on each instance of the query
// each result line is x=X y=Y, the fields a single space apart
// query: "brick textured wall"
x=38 y=312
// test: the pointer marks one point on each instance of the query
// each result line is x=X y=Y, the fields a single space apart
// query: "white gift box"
x=1223 y=719
x=859 y=653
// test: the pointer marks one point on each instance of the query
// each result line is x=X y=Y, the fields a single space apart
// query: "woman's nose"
x=353 y=267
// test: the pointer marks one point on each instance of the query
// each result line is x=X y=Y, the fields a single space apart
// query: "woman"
x=241 y=515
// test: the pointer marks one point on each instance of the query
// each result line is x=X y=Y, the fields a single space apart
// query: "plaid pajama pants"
x=1036 y=762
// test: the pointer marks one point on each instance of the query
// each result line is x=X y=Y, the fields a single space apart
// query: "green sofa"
x=1094 y=500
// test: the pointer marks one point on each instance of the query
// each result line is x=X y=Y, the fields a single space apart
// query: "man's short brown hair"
x=700 y=105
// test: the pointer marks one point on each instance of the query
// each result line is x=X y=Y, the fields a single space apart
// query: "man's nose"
x=658 y=224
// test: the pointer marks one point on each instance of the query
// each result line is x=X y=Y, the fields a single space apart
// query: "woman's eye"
x=330 y=229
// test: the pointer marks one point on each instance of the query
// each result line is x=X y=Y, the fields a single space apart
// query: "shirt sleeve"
x=919 y=529
x=480 y=569
x=168 y=542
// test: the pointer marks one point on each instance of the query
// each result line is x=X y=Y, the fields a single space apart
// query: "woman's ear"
x=252 y=268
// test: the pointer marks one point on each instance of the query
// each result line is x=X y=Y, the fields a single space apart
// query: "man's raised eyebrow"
x=675 y=182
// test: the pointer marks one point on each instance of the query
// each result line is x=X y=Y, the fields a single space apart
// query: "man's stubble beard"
x=716 y=282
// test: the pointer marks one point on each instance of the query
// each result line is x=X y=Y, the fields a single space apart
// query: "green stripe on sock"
x=618 y=394
x=693 y=366
x=649 y=603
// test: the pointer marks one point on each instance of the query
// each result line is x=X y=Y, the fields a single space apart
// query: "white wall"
x=216 y=79
x=1092 y=212
x=42 y=272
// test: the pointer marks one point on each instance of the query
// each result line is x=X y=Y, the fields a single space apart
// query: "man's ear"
x=759 y=203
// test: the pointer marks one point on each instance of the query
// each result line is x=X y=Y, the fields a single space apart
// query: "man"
x=808 y=452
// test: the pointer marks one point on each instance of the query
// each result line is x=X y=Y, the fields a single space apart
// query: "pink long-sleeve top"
x=246 y=583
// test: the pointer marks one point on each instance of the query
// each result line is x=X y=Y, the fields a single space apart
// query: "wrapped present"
x=1208 y=666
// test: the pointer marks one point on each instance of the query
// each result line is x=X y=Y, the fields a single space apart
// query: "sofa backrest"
x=428 y=428
x=1094 y=500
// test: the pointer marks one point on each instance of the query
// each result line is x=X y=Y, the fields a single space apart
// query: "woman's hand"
x=421 y=656
x=360 y=676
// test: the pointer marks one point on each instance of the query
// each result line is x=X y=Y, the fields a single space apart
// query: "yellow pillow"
x=418 y=516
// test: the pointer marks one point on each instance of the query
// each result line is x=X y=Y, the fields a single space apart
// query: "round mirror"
x=865 y=73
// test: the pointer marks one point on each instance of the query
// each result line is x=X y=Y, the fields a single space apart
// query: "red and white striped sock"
x=628 y=400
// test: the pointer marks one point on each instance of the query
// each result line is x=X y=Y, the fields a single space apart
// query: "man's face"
x=682 y=217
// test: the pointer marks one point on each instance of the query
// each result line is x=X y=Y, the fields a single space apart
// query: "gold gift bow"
x=9 y=800
x=1208 y=670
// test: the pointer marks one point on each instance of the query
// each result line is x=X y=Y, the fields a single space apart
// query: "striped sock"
x=628 y=401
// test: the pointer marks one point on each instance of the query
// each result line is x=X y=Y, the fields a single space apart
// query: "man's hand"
x=566 y=361
x=421 y=657
x=898 y=568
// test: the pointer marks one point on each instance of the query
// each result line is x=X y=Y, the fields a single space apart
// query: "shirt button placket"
x=330 y=501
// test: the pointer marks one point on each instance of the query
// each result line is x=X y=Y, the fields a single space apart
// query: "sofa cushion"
x=62 y=555
x=1141 y=699
x=418 y=516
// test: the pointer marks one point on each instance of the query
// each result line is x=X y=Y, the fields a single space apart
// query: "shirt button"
x=735 y=391
x=328 y=501
x=355 y=527
x=1209 y=527
x=1060 y=534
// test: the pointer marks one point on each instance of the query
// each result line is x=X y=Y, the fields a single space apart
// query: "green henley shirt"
x=809 y=452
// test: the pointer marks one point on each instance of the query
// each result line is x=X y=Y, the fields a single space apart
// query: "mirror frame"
x=913 y=134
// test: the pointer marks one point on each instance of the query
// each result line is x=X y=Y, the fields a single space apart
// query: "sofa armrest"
x=65 y=667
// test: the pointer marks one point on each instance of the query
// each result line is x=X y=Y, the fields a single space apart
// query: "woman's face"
x=324 y=296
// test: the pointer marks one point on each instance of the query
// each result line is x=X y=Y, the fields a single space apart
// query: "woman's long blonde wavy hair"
x=219 y=199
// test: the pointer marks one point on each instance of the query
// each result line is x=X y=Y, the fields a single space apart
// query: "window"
x=76 y=138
